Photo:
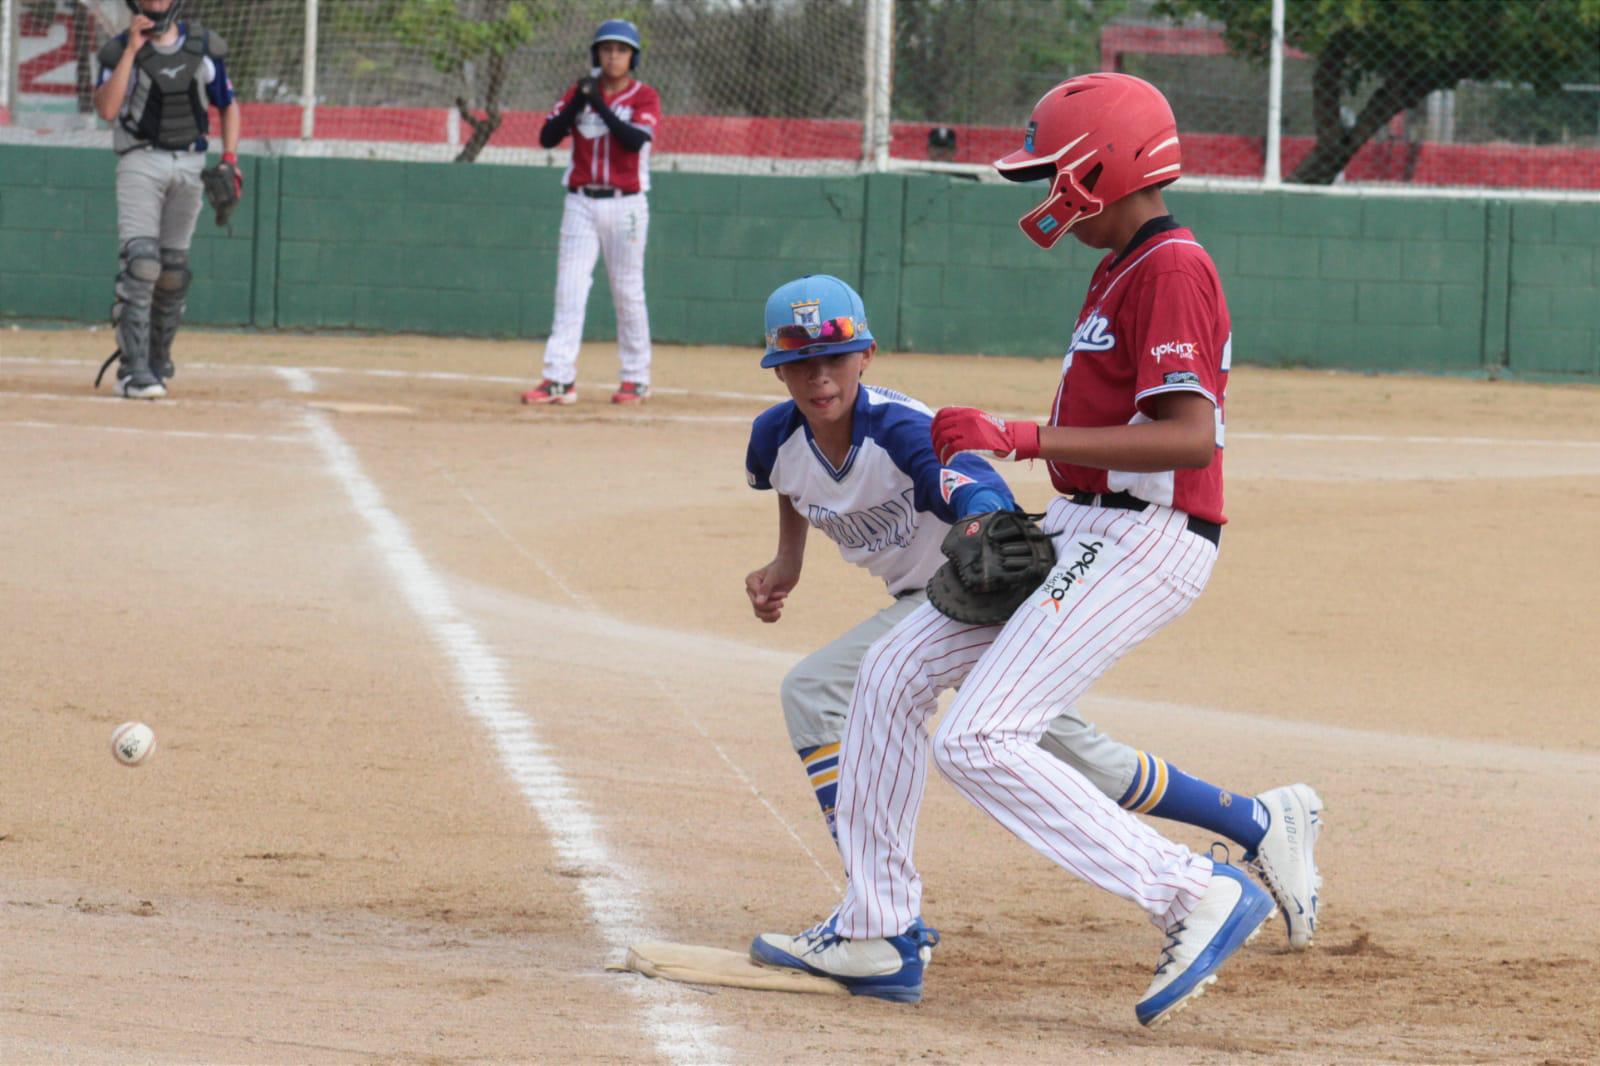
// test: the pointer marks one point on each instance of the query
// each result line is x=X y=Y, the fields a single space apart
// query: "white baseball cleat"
x=1228 y=916
x=1283 y=860
x=881 y=967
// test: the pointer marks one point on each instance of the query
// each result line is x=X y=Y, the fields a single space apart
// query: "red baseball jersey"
x=1154 y=322
x=596 y=158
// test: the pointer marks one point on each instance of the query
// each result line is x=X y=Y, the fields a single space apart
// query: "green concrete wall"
x=1447 y=285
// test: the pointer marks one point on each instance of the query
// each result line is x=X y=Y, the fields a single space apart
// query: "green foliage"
x=1395 y=52
x=1540 y=42
x=452 y=34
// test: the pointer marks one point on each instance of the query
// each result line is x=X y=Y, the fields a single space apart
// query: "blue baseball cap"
x=816 y=307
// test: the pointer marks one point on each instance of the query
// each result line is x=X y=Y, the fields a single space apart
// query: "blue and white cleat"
x=1285 y=859
x=883 y=967
x=1228 y=916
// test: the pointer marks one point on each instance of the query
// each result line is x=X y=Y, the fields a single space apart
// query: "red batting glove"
x=967 y=429
x=238 y=175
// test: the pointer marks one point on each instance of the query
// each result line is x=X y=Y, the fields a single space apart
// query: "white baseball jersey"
x=891 y=502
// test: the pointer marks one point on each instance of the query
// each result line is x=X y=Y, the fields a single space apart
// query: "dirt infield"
x=455 y=698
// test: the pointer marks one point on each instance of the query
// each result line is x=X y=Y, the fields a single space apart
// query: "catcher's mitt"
x=222 y=189
x=995 y=561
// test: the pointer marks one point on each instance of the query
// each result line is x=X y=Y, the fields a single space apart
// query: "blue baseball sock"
x=1161 y=789
x=822 y=767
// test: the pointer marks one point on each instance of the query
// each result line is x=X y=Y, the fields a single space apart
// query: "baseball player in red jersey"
x=1134 y=445
x=613 y=119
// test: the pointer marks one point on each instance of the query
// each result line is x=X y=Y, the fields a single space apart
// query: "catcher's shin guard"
x=167 y=307
x=130 y=315
x=135 y=292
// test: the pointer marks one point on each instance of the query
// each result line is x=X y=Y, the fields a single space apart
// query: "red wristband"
x=1026 y=434
x=229 y=157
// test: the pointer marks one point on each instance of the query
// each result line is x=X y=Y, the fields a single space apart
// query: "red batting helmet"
x=1101 y=137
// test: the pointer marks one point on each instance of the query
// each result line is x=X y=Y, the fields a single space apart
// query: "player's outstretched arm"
x=1181 y=436
x=769 y=586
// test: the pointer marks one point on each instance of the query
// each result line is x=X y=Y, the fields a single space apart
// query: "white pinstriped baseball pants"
x=617 y=228
x=1143 y=570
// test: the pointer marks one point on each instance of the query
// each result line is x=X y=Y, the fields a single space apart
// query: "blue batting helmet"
x=616 y=30
x=814 y=315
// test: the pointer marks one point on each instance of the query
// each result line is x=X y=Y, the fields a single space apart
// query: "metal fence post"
x=7 y=20
x=308 y=76
x=1274 y=163
x=879 y=68
x=884 y=39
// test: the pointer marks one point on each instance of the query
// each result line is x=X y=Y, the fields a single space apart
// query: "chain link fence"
x=1434 y=93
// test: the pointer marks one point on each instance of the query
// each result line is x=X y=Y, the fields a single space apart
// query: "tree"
x=461 y=36
x=1405 y=49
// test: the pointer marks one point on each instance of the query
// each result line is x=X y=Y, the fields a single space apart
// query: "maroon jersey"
x=1154 y=322
x=596 y=158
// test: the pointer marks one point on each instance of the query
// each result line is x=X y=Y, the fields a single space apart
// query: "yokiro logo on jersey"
x=1068 y=574
x=818 y=314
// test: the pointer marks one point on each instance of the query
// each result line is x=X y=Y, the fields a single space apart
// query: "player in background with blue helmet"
x=857 y=462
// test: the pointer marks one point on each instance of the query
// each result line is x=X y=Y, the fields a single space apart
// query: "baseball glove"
x=995 y=561
x=223 y=184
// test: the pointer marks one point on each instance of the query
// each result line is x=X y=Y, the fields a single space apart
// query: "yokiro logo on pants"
x=1068 y=576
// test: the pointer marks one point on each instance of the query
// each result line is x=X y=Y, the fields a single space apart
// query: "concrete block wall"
x=1553 y=318
x=58 y=241
x=1357 y=283
x=1445 y=285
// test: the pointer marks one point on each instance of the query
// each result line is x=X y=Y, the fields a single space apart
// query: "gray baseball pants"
x=159 y=195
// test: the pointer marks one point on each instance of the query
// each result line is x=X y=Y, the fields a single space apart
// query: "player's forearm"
x=1147 y=447
x=108 y=98
x=792 y=529
x=557 y=126
x=230 y=129
x=631 y=138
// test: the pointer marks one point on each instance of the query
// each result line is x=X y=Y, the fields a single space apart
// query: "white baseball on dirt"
x=132 y=743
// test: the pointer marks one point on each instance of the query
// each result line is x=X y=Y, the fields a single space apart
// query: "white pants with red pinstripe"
x=1120 y=576
x=618 y=229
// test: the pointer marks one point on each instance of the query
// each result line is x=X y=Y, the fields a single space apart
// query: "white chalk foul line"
x=297 y=378
x=677 y=1026
x=589 y=607
x=192 y=434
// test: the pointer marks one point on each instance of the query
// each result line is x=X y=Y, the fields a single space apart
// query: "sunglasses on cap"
x=792 y=338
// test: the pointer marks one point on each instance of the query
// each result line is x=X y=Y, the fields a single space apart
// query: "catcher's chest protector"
x=174 y=115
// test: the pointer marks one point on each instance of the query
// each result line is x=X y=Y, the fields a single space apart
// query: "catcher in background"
x=155 y=81
x=1134 y=445
x=856 y=462
x=612 y=119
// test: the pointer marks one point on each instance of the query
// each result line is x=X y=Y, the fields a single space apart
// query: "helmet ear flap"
x=1067 y=205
